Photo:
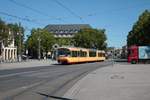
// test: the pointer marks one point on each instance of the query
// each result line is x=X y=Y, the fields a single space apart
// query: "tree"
x=140 y=33
x=9 y=32
x=63 y=41
x=46 y=41
x=4 y=34
x=17 y=30
x=18 y=35
x=90 y=38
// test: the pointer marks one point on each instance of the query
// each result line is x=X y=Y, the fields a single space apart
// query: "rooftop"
x=66 y=28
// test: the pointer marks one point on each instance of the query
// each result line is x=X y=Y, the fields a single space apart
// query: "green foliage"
x=14 y=29
x=63 y=41
x=46 y=41
x=18 y=32
x=90 y=38
x=140 y=33
x=3 y=32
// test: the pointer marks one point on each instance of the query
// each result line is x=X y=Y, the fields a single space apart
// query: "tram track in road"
x=18 y=70
x=28 y=88
x=62 y=81
x=70 y=82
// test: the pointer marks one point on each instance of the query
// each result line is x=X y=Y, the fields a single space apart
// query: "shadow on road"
x=55 y=97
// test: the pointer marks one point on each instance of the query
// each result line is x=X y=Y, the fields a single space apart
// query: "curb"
x=75 y=89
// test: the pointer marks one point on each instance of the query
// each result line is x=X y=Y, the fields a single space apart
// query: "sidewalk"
x=118 y=82
x=25 y=64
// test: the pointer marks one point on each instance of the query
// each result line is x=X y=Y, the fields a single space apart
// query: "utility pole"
x=113 y=54
x=19 y=46
x=39 y=47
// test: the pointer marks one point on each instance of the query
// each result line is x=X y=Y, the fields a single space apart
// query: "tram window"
x=83 y=54
x=92 y=53
x=74 y=53
x=99 y=54
x=79 y=54
x=103 y=55
x=63 y=51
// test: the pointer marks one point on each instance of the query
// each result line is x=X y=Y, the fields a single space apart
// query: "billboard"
x=144 y=52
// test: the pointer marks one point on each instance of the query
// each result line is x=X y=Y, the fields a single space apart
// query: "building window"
x=64 y=35
x=61 y=31
x=75 y=31
x=68 y=35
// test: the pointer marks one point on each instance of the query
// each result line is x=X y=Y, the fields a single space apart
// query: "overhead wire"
x=114 y=10
x=20 y=18
x=62 y=5
x=36 y=11
x=68 y=9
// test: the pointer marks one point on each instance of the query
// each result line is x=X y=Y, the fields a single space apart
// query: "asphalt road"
x=34 y=83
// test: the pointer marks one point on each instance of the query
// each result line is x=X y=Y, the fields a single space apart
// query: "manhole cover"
x=117 y=77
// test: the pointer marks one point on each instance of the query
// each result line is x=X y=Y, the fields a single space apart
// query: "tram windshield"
x=63 y=52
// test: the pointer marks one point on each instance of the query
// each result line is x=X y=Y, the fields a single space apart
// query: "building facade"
x=65 y=30
x=8 y=53
x=117 y=53
x=124 y=53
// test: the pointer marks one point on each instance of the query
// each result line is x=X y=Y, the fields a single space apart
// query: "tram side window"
x=101 y=55
x=74 y=53
x=63 y=51
x=83 y=54
x=92 y=53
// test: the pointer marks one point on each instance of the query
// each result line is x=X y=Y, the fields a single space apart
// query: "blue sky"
x=116 y=16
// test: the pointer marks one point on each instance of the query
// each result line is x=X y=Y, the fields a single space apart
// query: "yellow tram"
x=70 y=55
